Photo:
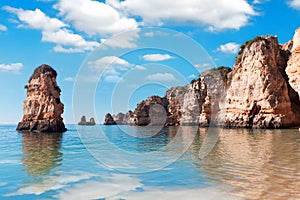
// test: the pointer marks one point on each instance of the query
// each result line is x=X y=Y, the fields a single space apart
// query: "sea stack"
x=83 y=122
x=42 y=106
x=109 y=120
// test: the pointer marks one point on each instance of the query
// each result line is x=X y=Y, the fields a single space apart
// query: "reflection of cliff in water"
x=41 y=152
x=260 y=164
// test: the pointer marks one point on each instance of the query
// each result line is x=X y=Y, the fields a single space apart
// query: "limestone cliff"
x=150 y=111
x=293 y=66
x=259 y=94
x=42 y=106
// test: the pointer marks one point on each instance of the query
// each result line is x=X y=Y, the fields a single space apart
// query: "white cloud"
x=13 y=67
x=67 y=38
x=3 y=28
x=69 y=79
x=217 y=15
x=295 y=4
x=149 y=34
x=36 y=19
x=53 y=30
x=192 y=76
x=111 y=65
x=123 y=40
x=94 y=17
x=139 y=67
x=158 y=77
x=109 y=60
x=229 y=48
x=203 y=66
x=113 y=79
x=157 y=57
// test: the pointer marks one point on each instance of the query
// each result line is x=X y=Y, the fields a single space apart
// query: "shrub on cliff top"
x=245 y=46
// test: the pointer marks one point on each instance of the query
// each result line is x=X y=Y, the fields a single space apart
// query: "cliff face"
x=185 y=103
x=150 y=111
x=259 y=94
x=293 y=66
x=42 y=106
x=262 y=91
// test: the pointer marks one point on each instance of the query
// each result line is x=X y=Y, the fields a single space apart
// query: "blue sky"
x=65 y=34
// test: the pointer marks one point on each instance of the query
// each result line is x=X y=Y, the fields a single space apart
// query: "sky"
x=111 y=54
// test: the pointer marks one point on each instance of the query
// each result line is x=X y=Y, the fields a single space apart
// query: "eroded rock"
x=42 y=106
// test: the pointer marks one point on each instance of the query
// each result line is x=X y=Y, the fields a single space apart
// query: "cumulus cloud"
x=36 y=19
x=94 y=17
x=217 y=15
x=111 y=66
x=123 y=40
x=139 y=67
x=13 y=67
x=158 y=77
x=53 y=30
x=67 y=38
x=3 y=28
x=229 y=48
x=157 y=57
x=295 y=4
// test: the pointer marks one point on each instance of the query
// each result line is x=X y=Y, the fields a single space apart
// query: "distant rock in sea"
x=83 y=122
x=42 y=106
x=109 y=120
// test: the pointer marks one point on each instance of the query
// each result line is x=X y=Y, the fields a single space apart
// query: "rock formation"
x=259 y=94
x=262 y=91
x=83 y=122
x=119 y=118
x=293 y=66
x=109 y=120
x=153 y=107
x=42 y=106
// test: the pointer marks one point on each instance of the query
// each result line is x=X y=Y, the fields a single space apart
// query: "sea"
x=164 y=163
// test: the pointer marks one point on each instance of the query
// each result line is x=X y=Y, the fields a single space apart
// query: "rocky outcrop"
x=293 y=66
x=83 y=122
x=262 y=91
x=150 y=111
x=42 y=106
x=259 y=94
x=217 y=81
x=109 y=120
x=119 y=118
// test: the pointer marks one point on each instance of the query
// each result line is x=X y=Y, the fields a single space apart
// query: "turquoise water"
x=244 y=164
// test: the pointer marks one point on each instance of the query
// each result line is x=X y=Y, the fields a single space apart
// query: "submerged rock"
x=42 y=106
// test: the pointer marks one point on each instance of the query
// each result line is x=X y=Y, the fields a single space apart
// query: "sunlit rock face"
x=259 y=94
x=293 y=66
x=42 y=106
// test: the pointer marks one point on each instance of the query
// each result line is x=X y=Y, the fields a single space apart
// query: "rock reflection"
x=41 y=152
x=261 y=164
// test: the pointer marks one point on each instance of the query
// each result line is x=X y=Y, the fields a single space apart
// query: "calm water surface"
x=244 y=164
